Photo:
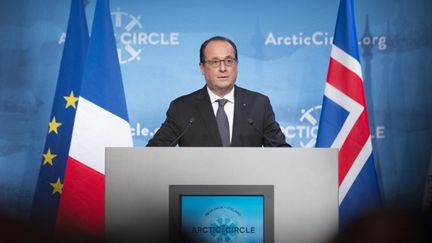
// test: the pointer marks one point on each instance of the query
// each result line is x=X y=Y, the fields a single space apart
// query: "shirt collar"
x=214 y=97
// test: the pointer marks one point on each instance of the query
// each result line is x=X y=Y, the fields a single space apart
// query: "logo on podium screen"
x=237 y=219
x=225 y=229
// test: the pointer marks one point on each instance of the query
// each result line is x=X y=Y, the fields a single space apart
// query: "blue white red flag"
x=51 y=174
x=101 y=121
x=344 y=121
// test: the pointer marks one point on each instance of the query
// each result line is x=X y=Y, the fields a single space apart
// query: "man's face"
x=220 y=79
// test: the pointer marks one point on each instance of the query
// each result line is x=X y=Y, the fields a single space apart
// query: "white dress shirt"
x=229 y=106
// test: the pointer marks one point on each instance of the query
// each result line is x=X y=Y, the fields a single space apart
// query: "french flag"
x=101 y=121
x=344 y=122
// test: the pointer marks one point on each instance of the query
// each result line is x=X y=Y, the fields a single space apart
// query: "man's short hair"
x=216 y=38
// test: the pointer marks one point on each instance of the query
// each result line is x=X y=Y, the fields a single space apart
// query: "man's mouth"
x=223 y=77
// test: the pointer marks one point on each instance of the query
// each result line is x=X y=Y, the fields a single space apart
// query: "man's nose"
x=222 y=66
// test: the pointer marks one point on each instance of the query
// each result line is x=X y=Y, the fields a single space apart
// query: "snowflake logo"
x=225 y=232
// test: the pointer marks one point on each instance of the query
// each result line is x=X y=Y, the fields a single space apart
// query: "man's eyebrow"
x=217 y=58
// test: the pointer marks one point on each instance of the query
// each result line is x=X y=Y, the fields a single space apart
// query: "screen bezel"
x=177 y=191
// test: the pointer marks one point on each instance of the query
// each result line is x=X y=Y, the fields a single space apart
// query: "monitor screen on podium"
x=222 y=213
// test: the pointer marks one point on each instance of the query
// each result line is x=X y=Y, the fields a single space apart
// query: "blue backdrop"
x=284 y=49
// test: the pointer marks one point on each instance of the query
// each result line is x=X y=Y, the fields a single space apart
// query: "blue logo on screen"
x=223 y=229
x=226 y=228
x=223 y=218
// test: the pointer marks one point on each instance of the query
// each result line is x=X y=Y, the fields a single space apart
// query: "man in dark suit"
x=221 y=113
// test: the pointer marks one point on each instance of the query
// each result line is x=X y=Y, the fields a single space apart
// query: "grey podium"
x=137 y=182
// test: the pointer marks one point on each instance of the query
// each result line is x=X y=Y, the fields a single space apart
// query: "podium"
x=137 y=182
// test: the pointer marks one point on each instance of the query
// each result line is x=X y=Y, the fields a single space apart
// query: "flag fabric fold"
x=344 y=121
x=101 y=121
x=53 y=164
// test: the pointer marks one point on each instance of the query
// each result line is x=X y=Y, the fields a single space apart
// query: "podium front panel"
x=137 y=187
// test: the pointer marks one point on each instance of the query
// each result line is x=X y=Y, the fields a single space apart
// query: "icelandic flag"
x=50 y=181
x=101 y=121
x=344 y=122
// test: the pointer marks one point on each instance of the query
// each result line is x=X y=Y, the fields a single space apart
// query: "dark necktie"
x=222 y=122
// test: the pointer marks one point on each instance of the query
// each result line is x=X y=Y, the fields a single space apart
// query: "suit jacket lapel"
x=206 y=110
x=240 y=119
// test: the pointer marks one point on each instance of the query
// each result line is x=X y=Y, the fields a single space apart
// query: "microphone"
x=251 y=122
x=190 y=122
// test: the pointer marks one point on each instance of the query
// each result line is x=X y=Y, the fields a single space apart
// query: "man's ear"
x=201 y=66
